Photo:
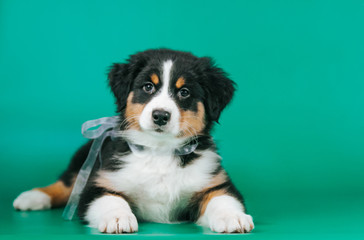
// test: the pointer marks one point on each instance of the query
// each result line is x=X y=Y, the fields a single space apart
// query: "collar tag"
x=186 y=149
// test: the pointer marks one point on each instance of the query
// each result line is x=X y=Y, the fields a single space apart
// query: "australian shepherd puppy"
x=166 y=100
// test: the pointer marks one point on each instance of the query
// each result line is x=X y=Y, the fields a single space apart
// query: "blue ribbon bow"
x=106 y=129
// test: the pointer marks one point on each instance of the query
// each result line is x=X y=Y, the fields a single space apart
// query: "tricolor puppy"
x=168 y=101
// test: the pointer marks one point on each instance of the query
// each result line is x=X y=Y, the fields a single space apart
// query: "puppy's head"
x=165 y=92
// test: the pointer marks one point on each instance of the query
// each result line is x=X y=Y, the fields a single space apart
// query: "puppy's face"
x=165 y=101
x=164 y=92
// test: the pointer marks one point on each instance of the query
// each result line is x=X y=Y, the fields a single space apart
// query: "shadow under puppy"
x=167 y=100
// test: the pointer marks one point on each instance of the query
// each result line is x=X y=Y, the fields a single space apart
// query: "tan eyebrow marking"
x=154 y=78
x=180 y=82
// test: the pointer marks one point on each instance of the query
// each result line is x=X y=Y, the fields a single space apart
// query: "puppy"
x=166 y=100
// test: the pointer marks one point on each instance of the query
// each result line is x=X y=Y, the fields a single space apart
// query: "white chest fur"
x=157 y=184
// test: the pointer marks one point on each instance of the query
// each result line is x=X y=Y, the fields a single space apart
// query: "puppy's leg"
x=111 y=214
x=56 y=194
x=226 y=214
x=53 y=195
x=107 y=211
x=221 y=207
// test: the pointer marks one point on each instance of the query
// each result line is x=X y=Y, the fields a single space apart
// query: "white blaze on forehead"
x=162 y=101
x=167 y=67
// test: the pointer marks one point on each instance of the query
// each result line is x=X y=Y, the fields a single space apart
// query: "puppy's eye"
x=149 y=88
x=184 y=93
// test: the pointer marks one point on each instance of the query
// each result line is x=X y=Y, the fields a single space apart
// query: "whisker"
x=190 y=130
x=195 y=118
x=127 y=123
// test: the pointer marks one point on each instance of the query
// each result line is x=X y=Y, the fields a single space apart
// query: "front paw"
x=227 y=222
x=118 y=223
x=225 y=214
x=111 y=214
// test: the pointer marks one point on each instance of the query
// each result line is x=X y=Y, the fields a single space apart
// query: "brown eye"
x=149 y=88
x=184 y=93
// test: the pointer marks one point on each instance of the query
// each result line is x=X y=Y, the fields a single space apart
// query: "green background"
x=292 y=139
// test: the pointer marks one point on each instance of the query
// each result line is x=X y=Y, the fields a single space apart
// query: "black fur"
x=120 y=81
x=75 y=165
x=219 y=89
x=108 y=163
x=111 y=147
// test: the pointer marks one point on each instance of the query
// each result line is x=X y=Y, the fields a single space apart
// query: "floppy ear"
x=219 y=89
x=121 y=77
x=120 y=84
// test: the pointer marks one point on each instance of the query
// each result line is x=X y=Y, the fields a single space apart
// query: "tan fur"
x=133 y=112
x=180 y=82
x=208 y=197
x=102 y=181
x=58 y=192
x=192 y=123
x=154 y=78
x=218 y=179
x=215 y=181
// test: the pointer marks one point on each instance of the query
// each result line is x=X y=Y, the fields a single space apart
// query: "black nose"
x=161 y=117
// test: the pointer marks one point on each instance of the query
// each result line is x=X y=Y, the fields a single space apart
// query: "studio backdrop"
x=292 y=139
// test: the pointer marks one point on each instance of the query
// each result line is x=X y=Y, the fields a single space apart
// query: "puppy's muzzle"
x=161 y=117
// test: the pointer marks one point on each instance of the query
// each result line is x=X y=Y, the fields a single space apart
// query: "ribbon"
x=106 y=129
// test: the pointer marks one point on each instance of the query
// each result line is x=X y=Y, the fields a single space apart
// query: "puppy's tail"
x=56 y=194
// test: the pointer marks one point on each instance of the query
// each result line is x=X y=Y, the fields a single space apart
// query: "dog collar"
x=186 y=149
